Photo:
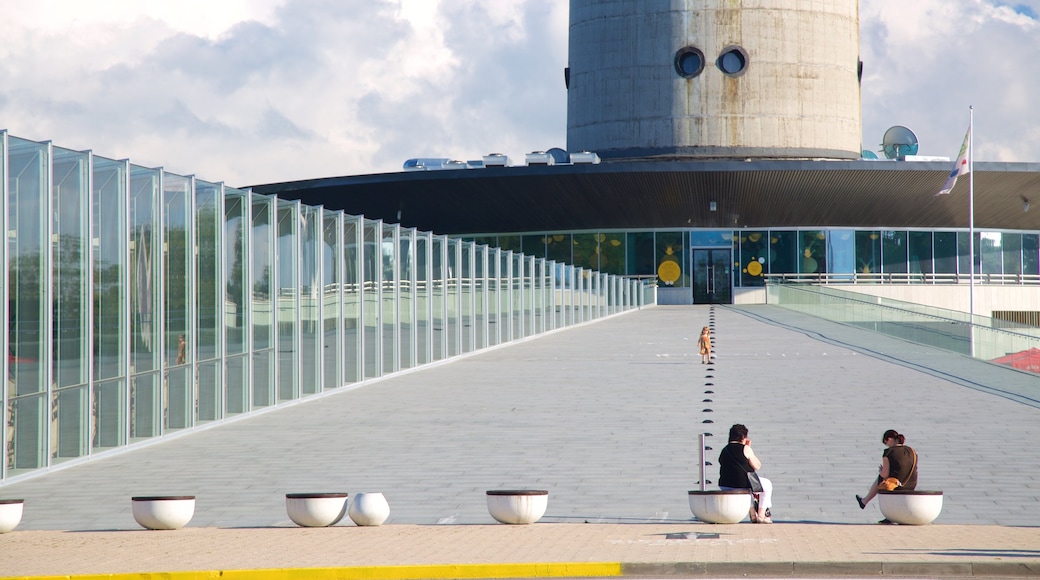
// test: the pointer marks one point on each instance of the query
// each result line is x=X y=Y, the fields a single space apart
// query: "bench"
x=720 y=506
x=913 y=508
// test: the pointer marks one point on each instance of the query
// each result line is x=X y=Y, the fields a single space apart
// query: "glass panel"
x=109 y=423
x=528 y=285
x=177 y=399
x=145 y=255
x=783 y=252
x=370 y=306
x=263 y=379
x=210 y=289
x=517 y=303
x=310 y=299
x=893 y=252
x=812 y=250
x=422 y=298
x=288 y=299
x=963 y=256
x=505 y=287
x=480 y=318
x=207 y=405
x=262 y=257
x=109 y=248
x=558 y=247
x=921 y=252
x=494 y=317
x=1031 y=254
x=69 y=420
x=406 y=297
x=585 y=252
x=208 y=272
x=945 y=248
x=389 y=304
x=612 y=253
x=438 y=285
x=236 y=377
x=754 y=258
x=841 y=252
x=236 y=308
x=332 y=312
x=453 y=296
x=25 y=433
x=70 y=286
x=1012 y=252
x=145 y=406
x=868 y=252
x=534 y=245
x=176 y=267
x=711 y=238
x=467 y=295
x=991 y=244
x=669 y=260
x=351 y=299
x=640 y=254
x=510 y=243
x=27 y=217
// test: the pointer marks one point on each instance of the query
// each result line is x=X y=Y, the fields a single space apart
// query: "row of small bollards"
x=171 y=512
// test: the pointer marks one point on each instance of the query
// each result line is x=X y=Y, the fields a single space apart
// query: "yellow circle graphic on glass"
x=668 y=272
x=754 y=268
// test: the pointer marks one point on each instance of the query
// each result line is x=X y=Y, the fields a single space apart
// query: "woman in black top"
x=899 y=461
x=735 y=461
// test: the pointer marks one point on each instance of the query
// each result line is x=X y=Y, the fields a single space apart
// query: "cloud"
x=927 y=61
x=256 y=91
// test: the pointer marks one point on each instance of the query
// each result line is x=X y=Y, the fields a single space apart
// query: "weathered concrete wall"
x=797 y=97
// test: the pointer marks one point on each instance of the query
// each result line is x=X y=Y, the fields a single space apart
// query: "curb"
x=593 y=570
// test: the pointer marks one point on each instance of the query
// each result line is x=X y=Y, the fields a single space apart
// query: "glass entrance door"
x=712 y=278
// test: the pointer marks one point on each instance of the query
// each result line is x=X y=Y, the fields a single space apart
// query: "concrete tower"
x=714 y=78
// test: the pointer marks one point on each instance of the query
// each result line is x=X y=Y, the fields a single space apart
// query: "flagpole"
x=971 y=230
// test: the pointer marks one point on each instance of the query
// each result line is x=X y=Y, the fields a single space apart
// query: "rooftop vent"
x=540 y=158
x=497 y=160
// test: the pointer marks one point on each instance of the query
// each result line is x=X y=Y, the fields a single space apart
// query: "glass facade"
x=835 y=254
x=141 y=302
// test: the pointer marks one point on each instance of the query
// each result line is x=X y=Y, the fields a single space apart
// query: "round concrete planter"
x=517 y=506
x=369 y=509
x=915 y=508
x=10 y=514
x=164 y=512
x=315 y=510
x=719 y=506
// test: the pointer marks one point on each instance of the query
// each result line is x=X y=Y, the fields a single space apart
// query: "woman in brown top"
x=899 y=461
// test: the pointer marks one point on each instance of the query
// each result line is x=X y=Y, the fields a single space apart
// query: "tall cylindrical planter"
x=164 y=512
x=517 y=506
x=10 y=514
x=369 y=509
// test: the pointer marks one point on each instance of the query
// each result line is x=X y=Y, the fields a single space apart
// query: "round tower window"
x=689 y=62
x=732 y=61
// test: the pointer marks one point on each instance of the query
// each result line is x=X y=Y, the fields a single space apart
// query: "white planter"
x=10 y=514
x=720 y=507
x=517 y=506
x=315 y=510
x=167 y=512
x=914 y=508
x=369 y=509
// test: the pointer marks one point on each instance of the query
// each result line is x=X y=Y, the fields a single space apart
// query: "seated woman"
x=899 y=461
x=735 y=462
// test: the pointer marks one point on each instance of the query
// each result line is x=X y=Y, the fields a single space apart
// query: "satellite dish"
x=867 y=154
x=899 y=142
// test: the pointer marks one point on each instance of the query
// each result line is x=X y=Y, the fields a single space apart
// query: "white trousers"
x=765 y=497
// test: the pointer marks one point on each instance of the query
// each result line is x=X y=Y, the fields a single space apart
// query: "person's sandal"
x=862 y=505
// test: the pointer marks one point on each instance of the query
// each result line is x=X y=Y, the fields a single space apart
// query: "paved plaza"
x=606 y=417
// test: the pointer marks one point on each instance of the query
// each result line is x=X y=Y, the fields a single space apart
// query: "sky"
x=258 y=91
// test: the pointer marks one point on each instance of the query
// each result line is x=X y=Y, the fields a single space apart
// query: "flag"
x=961 y=167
